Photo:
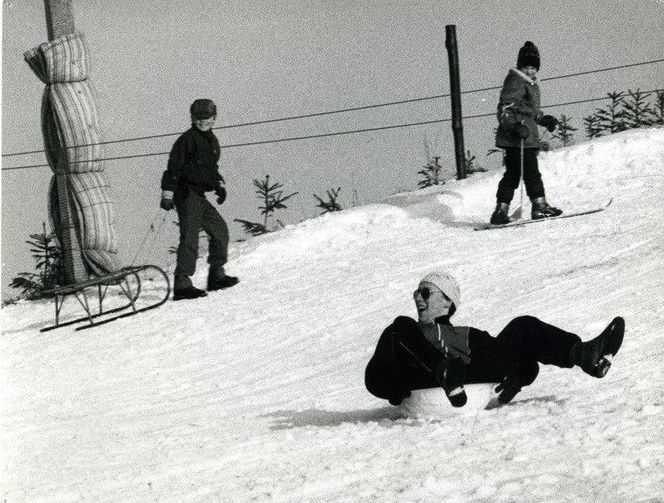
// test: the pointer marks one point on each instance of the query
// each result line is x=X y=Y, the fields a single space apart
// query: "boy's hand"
x=549 y=122
x=522 y=131
x=220 y=191
x=167 y=204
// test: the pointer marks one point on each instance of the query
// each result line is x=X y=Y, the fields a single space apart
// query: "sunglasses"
x=425 y=292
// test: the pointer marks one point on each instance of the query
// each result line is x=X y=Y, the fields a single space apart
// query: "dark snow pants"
x=195 y=213
x=531 y=175
x=404 y=360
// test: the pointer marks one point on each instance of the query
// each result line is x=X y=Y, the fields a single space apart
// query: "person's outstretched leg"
x=525 y=342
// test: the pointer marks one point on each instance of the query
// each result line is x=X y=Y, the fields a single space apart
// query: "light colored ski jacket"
x=519 y=103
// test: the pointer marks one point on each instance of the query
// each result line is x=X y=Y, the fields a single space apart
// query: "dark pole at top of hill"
x=455 y=90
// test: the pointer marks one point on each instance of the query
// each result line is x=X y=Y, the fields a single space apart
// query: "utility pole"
x=59 y=18
x=457 y=124
x=59 y=22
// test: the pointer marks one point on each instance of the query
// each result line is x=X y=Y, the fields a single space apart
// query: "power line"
x=331 y=112
x=321 y=135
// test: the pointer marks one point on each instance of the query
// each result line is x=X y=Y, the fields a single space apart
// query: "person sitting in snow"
x=431 y=352
x=518 y=116
x=192 y=171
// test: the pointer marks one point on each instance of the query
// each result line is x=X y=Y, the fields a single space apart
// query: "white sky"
x=273 y=59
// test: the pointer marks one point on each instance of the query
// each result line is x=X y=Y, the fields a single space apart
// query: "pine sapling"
x=658 y=108
x=611 y=119
x=432 y=174
x=469 y=164
x=331 y=203
x=637 y=111
x=564 y=133
x=272 y=199
x=47 y=255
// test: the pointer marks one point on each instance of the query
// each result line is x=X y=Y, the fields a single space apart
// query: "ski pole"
x=521 y=182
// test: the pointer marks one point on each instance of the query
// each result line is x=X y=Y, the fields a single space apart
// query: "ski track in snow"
x=257 y=393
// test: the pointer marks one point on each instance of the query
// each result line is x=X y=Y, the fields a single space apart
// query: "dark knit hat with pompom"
x=528 y=56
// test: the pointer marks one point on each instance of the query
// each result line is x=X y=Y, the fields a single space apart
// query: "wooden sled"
x=129 y=281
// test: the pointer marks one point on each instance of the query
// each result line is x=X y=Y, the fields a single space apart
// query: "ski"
x=516 y=223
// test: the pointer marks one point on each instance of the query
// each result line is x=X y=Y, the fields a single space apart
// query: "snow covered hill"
x=257 y=394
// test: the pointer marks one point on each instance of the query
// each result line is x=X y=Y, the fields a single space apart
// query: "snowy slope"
x=256 y=393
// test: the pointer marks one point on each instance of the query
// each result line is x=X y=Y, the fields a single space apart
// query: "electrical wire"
x=321 y=135
x=330 y=112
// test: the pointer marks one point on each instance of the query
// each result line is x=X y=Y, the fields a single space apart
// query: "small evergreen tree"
x=331 y=203
x=272 y=199
x=470 y=166
x=592 y=126
x=432 y=174
x=564 y=133
x=612 y=119
x=658 y=108
x=47 y=255
x=637 y=111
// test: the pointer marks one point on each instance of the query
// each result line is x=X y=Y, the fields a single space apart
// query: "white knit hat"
x=446 y=283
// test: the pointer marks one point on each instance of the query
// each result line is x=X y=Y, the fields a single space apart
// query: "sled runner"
x=129 y=280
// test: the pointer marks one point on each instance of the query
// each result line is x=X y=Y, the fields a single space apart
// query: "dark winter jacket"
x=192 y=163
x=519 y=104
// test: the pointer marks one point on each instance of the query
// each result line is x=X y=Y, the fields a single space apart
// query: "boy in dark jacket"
x=192 y=171
x=432 y=352
x=519 y=115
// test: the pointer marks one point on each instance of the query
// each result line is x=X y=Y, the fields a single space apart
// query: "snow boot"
x=220 y=284
x=451 y=374
x=183 y=289
x=594 y=357
x=542 y=209
x=218 y=279
x=500 y=216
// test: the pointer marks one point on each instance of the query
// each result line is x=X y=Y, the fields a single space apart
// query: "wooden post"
x=59 y=22
x=457 y=124
x=59 y=18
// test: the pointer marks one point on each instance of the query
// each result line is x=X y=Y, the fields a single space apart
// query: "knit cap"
x=528 y=56
x=447 y=284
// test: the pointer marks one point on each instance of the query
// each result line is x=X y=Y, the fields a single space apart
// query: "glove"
x=521 y=131
x=549 y=122
x=166 y=204
x=221 y=194
x=167 y=200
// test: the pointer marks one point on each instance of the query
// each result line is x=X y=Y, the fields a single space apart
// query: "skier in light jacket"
x=431 y=352
x=519 y=115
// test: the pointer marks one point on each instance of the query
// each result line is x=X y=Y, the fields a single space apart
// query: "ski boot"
x=594 y=357
x=183 y=289
x=542 y=209
x=499 y=216
x=451 y=374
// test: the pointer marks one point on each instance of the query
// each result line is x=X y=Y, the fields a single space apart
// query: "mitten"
x=220 y=191
x=167 y=200
x=549 y=122
x=521 y=130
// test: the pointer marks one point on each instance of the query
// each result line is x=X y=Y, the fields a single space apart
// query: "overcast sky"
x=268 y=59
